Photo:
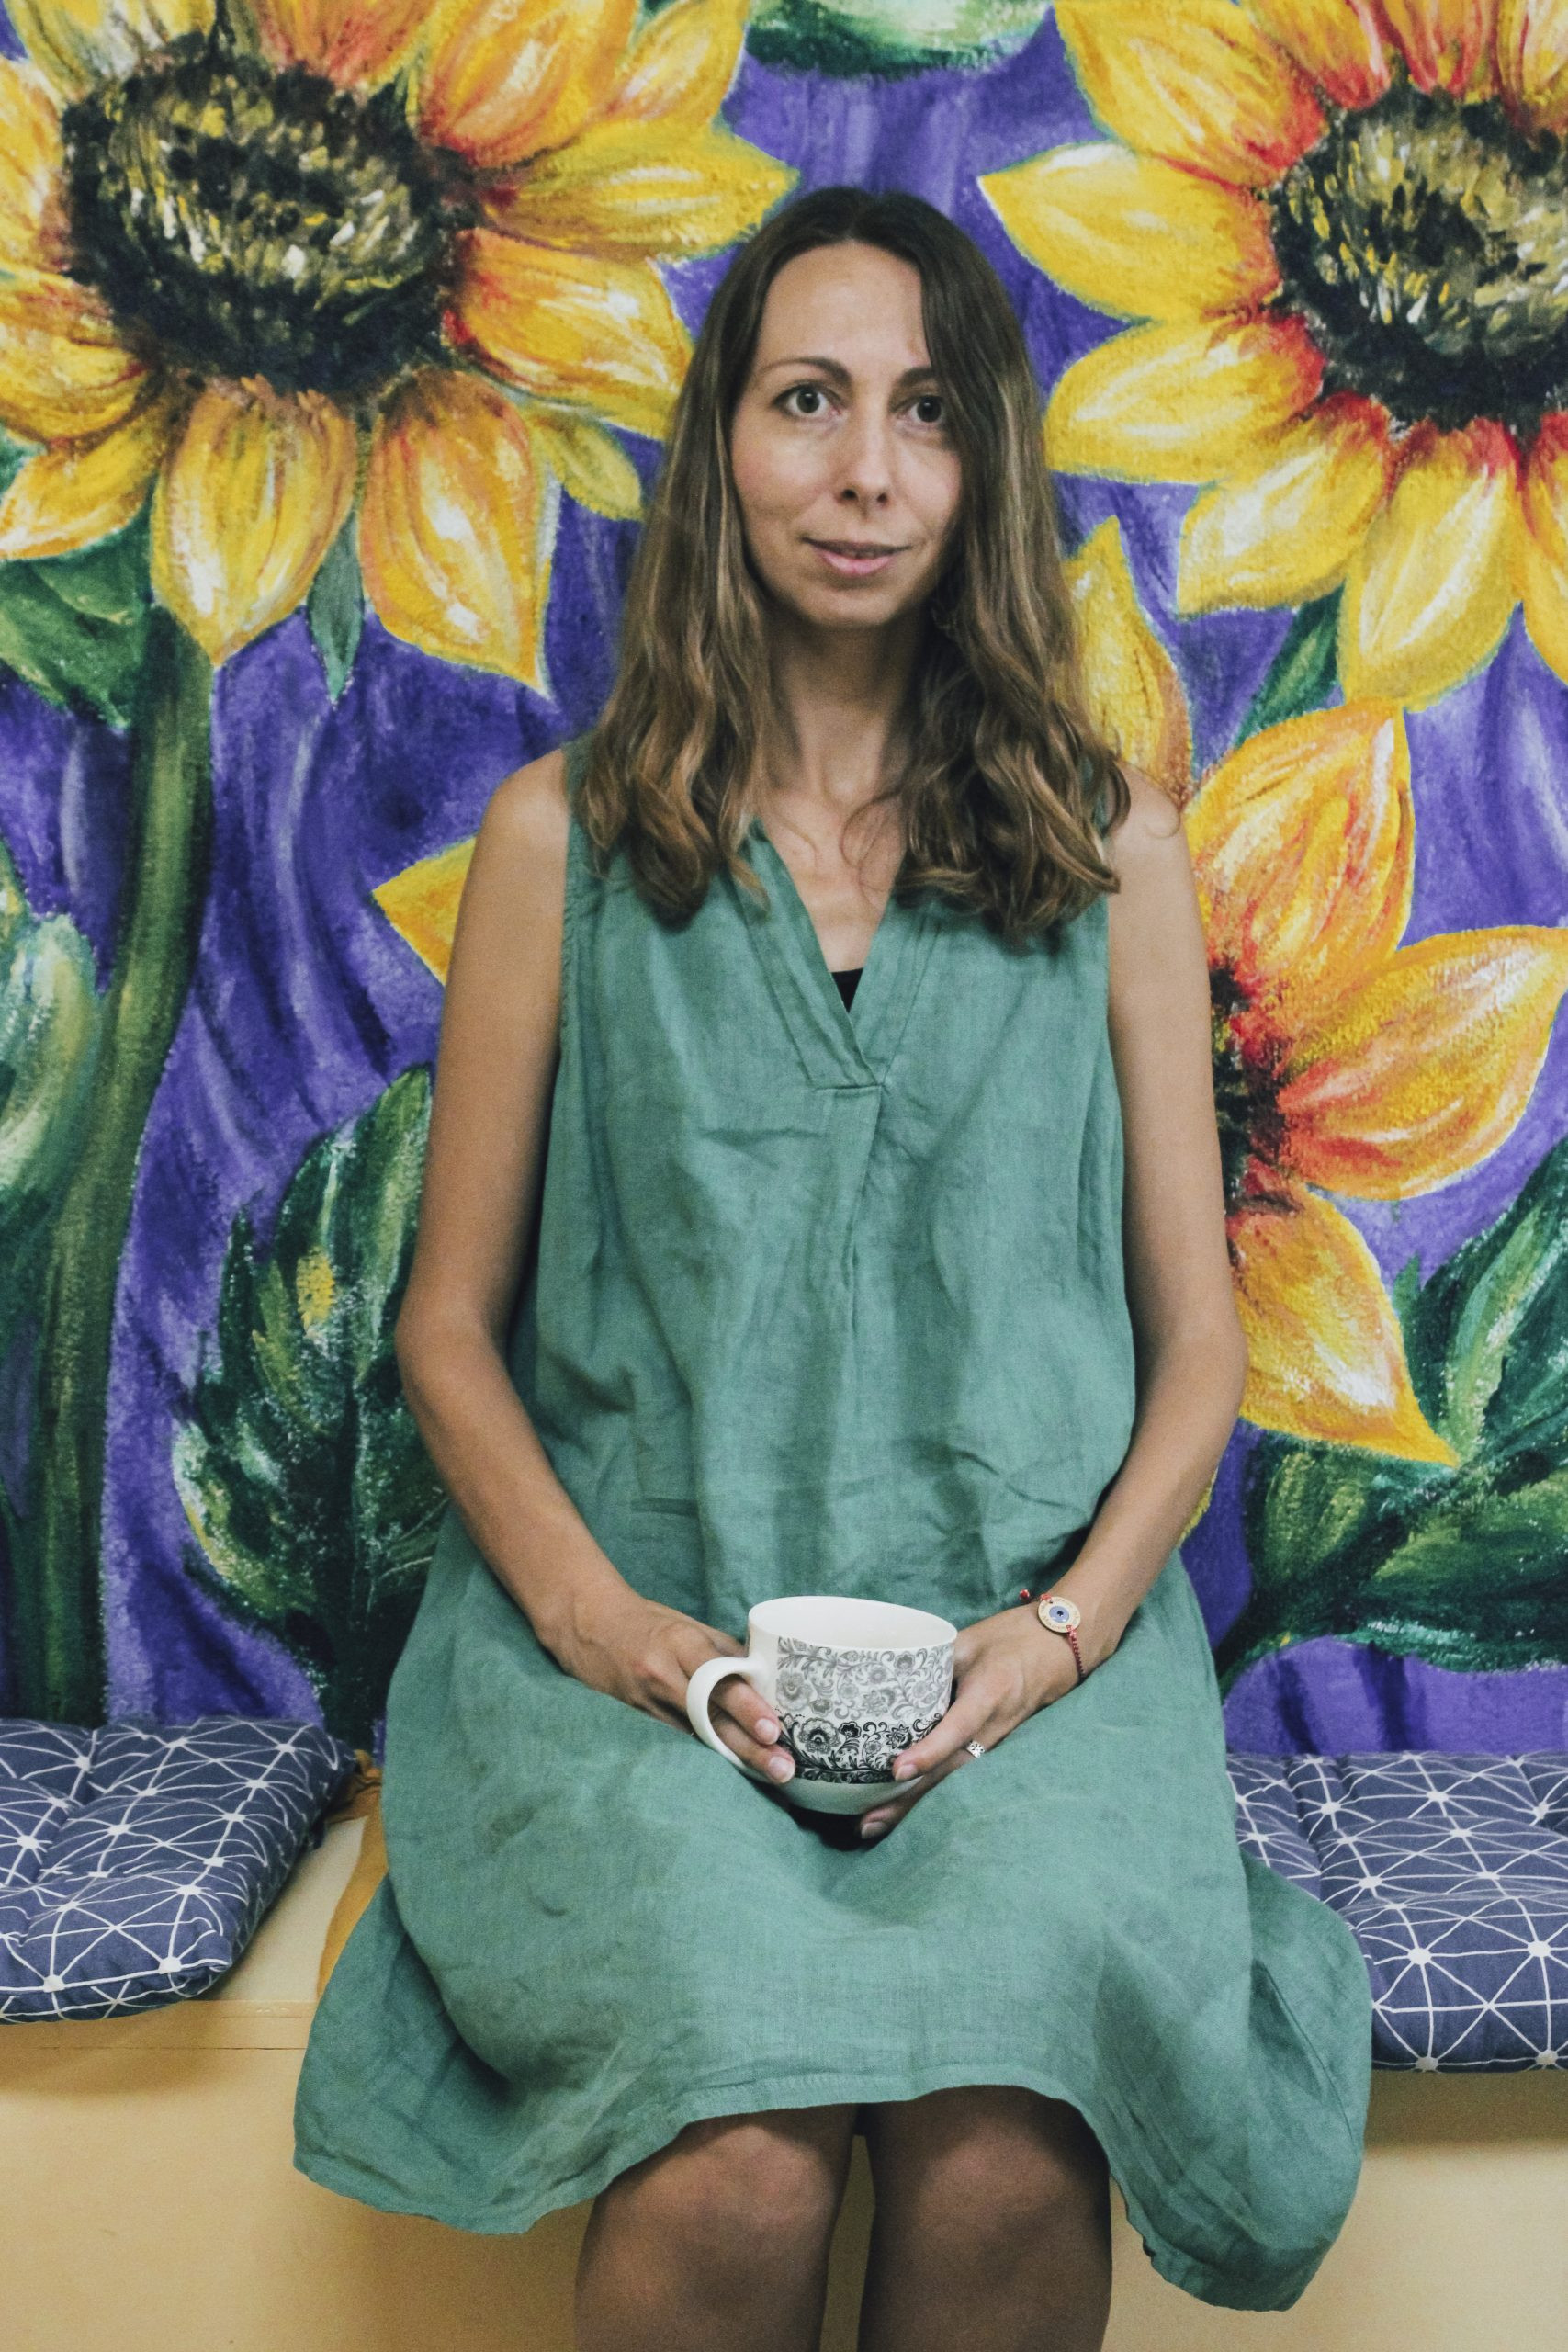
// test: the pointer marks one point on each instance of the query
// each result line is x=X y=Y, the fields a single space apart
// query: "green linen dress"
x=829 y=1298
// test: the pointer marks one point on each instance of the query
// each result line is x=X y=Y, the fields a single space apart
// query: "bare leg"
x=720 y=2239
x=993 y=2224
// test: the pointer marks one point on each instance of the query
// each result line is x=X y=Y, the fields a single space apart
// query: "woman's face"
x=841 y=437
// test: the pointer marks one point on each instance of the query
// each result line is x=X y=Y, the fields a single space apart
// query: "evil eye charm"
x=1058 y=1612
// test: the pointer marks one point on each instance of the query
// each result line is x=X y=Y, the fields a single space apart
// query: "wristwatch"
x=1062 y=1616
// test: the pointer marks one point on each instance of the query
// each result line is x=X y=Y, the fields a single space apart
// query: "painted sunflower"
x=1344 y=226
x=1344 y=1061
x=283 y=263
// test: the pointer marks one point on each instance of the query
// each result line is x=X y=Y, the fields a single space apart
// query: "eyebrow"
x=839 y=372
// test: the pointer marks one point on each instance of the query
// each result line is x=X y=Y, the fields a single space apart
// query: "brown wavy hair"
x=1006 y=771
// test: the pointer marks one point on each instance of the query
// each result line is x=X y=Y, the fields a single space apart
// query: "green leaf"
x=1303 y=672
x=107 y=581
x=1315 y=1512
x=14 y=456
x=50 y=1034
x=75 y=626
x=1488 y=1335
x=1318 y=1520
x=1462 y=1568
x=334 y=609
x=1407 y=1286
x=301 y=1470
x=1479 y=1583
x=857 y=37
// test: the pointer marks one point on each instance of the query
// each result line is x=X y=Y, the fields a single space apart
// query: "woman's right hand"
x=619 y=1642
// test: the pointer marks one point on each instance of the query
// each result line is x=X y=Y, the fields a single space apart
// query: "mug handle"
x=700 y=1689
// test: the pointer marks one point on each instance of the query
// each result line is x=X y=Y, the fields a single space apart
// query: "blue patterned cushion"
x=137 y=1859
x=1452 y=1871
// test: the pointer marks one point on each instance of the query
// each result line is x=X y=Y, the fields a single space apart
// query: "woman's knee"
x=988 y=2160
x=754 y=2183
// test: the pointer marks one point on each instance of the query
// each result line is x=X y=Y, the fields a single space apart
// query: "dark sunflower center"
x=1427 y=244
x=1251 y=1128
x=247 y=221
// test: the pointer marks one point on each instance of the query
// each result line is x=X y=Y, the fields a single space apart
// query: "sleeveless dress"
x=828 y=1297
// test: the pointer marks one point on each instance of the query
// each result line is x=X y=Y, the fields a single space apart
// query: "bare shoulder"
x=528 y=818
x=513 y=907
x=1151 y=825
x=1156 y=926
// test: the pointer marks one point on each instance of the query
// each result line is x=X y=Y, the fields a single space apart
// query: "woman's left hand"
x=1004 y=1668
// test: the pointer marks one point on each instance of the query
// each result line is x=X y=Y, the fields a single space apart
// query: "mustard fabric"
x=827 y=1298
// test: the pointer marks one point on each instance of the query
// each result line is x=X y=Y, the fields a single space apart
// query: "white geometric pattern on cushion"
x=137 y=1859
x=1453 y=1871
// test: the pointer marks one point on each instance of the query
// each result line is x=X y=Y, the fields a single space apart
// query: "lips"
x=845 y=560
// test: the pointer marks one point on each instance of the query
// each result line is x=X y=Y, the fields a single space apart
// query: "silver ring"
x=973 y=1747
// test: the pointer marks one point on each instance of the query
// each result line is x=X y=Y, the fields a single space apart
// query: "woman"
x=915 y=1286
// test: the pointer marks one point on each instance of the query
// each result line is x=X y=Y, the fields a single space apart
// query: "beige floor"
x=148 y=2204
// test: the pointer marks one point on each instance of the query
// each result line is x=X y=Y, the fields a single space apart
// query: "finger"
x=968 y=1718
x=752 y=1731
x=882 y=1817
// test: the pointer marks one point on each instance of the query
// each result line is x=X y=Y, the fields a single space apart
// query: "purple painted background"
x=307 y=1005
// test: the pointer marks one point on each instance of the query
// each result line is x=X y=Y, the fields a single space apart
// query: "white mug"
x=849 y=1682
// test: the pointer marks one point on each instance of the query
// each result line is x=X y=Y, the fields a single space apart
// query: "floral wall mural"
x=337 y=338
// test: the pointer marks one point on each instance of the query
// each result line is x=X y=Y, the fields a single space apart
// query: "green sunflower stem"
x=61 y=1662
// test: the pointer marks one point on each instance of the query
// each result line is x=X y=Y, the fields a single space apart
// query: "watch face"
x=1059 y=1613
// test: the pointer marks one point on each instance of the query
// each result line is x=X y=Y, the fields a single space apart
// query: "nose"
x=865 y=457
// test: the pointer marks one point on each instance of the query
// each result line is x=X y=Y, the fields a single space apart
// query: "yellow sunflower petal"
x=34 y=231
x=1325 y=1356
x=1429 y=591
x=1447 y=43
x=598 y=335
x=1532 y=60
x=680 y=65
x=623 y=188
x=251 y=497
x=1541 y=550
x=63 y=369
x=1129 y=682
x=421 y=903
x=1343 y=48
x=1182 y=402
x=456 y=526
x=1303 y=848
x=78 y=491
x=1426 y=1067
x=78 y=42
x=1284 y=523
x=499 y=80
x=587 y=461
x=1201 y=83
x=360 y=42
x=1128 y=232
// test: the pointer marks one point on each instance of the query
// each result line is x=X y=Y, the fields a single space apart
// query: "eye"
x=809 y=390
x=814 y=391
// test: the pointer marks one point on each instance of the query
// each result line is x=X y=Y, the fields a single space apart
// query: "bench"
x=151 y=2198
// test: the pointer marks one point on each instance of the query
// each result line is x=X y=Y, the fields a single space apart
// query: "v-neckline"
x=841 y=1044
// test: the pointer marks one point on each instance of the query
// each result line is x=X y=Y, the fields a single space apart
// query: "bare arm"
x=495 y=1071
x=1191 y=1353
x=489 y=1120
